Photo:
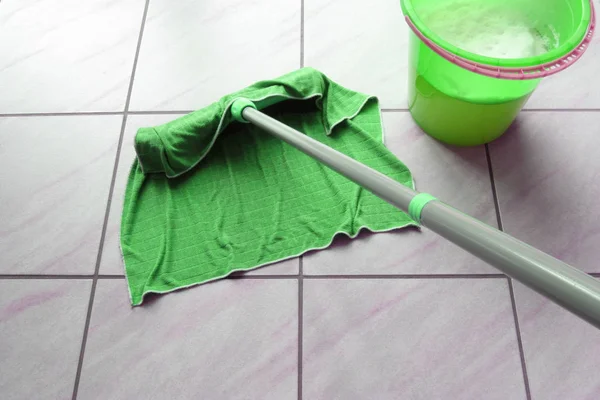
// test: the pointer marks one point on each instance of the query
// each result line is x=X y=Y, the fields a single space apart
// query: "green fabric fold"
x=208 y=196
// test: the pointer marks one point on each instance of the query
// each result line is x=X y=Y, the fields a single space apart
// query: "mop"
x=221 y=190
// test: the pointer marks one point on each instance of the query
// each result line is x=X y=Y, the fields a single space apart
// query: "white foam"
x=486 y=29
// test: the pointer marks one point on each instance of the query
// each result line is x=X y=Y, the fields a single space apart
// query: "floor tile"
x=112 y=262
x=458 y=176
x=575 y=87
x=561 y=350
x=57 y=173
x=41 y=326
x=224 y=340
x=286 y=267
x=362 y=45
x=67 y=55
x=195 y=52
x=547 y=173
x=410 y=339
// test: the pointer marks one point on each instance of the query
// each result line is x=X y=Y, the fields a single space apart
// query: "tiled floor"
x=400 y=315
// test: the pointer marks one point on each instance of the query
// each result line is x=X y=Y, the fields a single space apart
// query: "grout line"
x=288 y=277
x=258 y=277
x=62 y=114
x=301 y=33
x=519 y=340
x=175 y=112
x=136 y=58
x=40 y=276
x=488 y=156
x=300 y=324
x=92 y=113
x=394 y=109
x=409 y=276
x=511 y=291
x=98 y=261
x=108 y=204
x=283 y=277
x=111 y=276
x=158 y=112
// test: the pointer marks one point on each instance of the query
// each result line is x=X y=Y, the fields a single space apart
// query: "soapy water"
x=491 y=30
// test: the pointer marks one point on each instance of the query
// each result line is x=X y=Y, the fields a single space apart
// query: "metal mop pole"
x=571 y=288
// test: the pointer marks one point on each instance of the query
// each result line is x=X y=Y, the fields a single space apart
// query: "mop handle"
x=567 y=286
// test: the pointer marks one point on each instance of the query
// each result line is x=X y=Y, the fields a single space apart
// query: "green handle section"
x=416 y=205
x=238 y=106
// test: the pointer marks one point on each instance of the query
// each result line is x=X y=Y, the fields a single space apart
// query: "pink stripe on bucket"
x=535 y=72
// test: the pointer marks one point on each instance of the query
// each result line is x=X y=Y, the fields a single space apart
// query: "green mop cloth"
x=208 y=195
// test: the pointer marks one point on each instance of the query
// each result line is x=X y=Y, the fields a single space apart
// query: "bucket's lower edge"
x=458 y=122
x=463 y=142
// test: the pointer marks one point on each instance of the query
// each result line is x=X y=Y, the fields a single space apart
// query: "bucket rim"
x=547 y=58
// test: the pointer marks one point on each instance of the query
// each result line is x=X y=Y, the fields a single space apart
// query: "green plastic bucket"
x=468 y=98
